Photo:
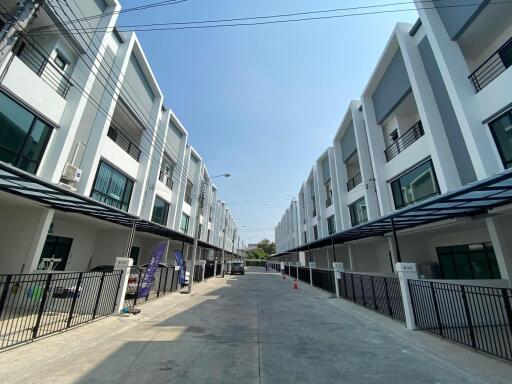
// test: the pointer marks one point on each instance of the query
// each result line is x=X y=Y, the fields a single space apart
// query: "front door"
x=56 y=247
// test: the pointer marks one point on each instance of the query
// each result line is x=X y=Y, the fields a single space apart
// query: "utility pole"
x=18 y=21
x=200 y=204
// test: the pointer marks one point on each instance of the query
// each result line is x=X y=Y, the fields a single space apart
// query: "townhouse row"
x=80 y=108
x=434 y=117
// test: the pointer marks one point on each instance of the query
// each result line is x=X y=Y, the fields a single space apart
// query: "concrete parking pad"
x=249 y=329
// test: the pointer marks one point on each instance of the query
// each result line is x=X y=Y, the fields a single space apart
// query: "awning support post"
x=397 y=247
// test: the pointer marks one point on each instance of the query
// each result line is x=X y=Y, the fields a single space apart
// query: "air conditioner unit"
x=71 y=173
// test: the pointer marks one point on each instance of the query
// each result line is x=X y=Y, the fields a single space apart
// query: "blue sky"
x=262 y=102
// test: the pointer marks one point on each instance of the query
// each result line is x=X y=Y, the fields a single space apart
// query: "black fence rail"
x=198 y=273
x=219 y=269
x=293 y=272
x=42 y=66
x=323 y=279
x=287 y=269
x=404 y=141
x=165 y=281
x=494 y=66
x=479 y=317
x=304 y=274
x=255 y=263
x=380 y=293
x=37 y=305
x=122 y=140
x=209 y=270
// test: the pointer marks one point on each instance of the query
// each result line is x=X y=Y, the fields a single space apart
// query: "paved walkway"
x=249 y=329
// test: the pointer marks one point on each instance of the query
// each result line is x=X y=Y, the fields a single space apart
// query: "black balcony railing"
x=43 y=67
x=188 y=198
x=354 y=181
x=126 y=144
x=404 y=141
x=328 y=201
x=492 y=67
x=166 y=179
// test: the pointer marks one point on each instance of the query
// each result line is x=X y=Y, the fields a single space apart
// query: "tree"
x=263 y=250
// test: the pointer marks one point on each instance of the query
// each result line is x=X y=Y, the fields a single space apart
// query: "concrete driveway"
x=249 y=329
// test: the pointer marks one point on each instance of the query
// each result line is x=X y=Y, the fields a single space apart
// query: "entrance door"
x=56 y=247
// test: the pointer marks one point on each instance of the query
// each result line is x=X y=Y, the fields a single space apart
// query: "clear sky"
x=263 y=102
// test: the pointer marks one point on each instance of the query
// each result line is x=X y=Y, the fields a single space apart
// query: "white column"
x=407 y=271
x=39 y=239
x=312 y=264
x=499 y=231
x=338 y=269
x=122 y=264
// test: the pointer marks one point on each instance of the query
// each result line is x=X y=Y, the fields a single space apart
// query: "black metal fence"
x=198 y=273
x=380 y=293
x=37 y=305
x=479 y=317
x=165 y=281
x=304 y=274
x=255 y=263
x=494 y=66
x=404 y=141
x=209 y=270
x=293 y=272
x=323 y=279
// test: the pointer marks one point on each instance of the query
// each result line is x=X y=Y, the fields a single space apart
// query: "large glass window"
x=501 y=129
x=188 y=192
x=160 y=211
x=328 y=193
x=416 y=185
x=23 y=136
x=331 y=225
x=358 y=213
x=472 y=261
x=315 y=232
x=112 y=187
x=185 y=219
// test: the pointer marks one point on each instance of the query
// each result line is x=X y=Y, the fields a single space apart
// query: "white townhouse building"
x=82 y=113
x=433 y=120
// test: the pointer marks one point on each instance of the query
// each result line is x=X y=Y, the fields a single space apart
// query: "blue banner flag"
x=181 y=263
x=149 y=276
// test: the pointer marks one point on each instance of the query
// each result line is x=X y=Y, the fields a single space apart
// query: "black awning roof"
x=20 y=183
x=473 y=199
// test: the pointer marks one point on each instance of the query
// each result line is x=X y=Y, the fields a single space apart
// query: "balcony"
x=328 y=202
x=354 y=181
x=166 y=179
x=124 y=142
x=492 y=67
x=42 y=66
x=404 y=141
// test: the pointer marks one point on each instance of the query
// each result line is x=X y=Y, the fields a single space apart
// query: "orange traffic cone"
x=295 y=284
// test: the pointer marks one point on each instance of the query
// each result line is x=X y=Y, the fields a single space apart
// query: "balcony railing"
x=124 y=142
x=354 y=181
x=166 y=179
x=42 y=66
x=328 y=202
x=492 y=67
x=188 y=199
x=409 y=137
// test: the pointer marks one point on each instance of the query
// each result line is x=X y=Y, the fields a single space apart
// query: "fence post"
x=160 y=282
x=506 y=300
x=204 y=268
x=75 y=297
x=42 y=305
x=98 y=297
x=123 y=264
x=338 y=269
x=407 y=271
x=468 y=316
x=375 y=306
x=167 y=278
x=312 y=264
x=436 y=308
x=4 y=293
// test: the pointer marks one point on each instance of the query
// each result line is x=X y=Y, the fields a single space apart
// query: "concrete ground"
x=249 y=329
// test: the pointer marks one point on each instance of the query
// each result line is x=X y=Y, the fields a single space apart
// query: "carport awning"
x=473 y=199
x=20 y=183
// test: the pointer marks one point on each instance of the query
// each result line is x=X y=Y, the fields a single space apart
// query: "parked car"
x=237 y=267
x=133 y=279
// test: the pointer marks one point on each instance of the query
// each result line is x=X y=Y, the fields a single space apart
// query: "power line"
x=192 y=25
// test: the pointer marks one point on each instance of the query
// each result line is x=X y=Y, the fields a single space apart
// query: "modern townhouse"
x=88 y=118
x=406 y=144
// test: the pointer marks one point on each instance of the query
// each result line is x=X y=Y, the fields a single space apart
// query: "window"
x=331 y=225
x=185 y=219
x=472 y=261
x=160 y=211
x=112 y=187
x=358 y=213
x=210 y=214
x=313 y=205
x=305 y=237
x=315 y=232
x=328 y=193
x=166 y=171
x=188 y=192
x=416 y=185
x=23 y=136
x=501 y=129
x=200 y=230
x=60 y=61
x=208 y=236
